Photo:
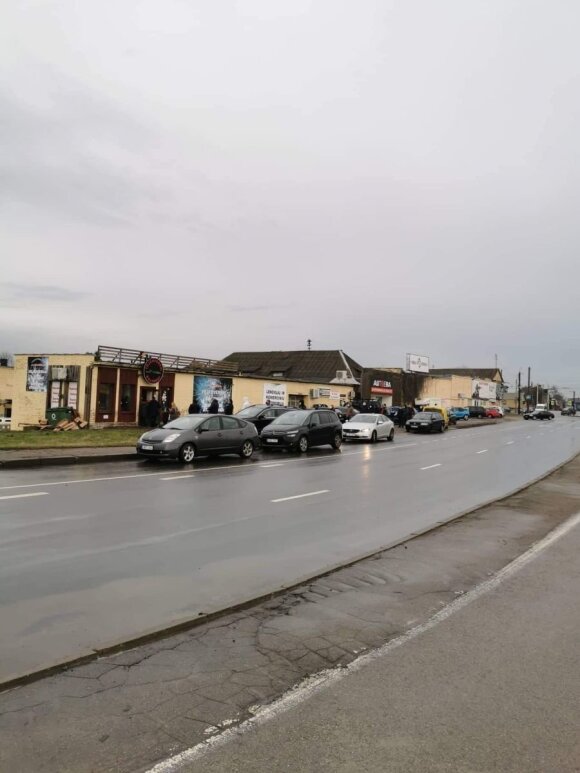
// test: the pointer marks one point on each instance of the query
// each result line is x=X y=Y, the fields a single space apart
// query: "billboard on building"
x=417 y=363
x=209 y=388
x=275 y=394
x=483 y=390
x=381 y=387
x=37 y=374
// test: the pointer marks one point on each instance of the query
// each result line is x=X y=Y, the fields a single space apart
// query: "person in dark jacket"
x=214 y=406
x=229 y=408
x=194 y=407
x=153 y=410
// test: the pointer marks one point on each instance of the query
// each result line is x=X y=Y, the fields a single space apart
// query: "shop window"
x=105 y=398
x=63 y=394
x=128 y=396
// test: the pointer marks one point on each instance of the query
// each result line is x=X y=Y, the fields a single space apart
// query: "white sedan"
x=368 y=426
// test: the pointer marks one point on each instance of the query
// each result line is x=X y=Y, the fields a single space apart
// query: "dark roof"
x=483 y=373
x=303 y=365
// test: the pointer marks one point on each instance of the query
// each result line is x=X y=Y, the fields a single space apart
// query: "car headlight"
x=171 y=438
x=291 y=434
x=142 y=437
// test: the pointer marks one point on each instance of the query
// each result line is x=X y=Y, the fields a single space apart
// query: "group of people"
x=214 y=407
x=152 y=413
x=403 y=415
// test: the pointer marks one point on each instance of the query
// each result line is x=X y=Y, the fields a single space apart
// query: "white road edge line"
x=301 y=496
x=179 y=477
x=510 y=442
x=431 y=466
x=274 y=464
x=482 y=452
x=22 y=496
x=316 y=683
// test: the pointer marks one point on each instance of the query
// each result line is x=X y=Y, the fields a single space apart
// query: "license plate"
x=145 y=447
x=271 y=440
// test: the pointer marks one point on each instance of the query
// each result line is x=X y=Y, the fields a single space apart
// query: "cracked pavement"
x=126 y=712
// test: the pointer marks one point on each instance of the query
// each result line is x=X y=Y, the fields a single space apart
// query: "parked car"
x=341 y=413
x=261 y=415
x=369 y=426
x=476 y=412
x=460 y=414
x=493 y=413
x=299 y=430
x=5 y=422
x=426 y=421
x=441 y=410
x=539 y=414
x=565 y=411
x=196 y=435
x=393 y=412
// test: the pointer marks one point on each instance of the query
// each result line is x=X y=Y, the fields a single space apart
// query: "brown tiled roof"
x=483 y=373
x=303 y=365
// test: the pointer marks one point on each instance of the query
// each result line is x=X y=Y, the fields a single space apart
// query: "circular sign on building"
x=152 y=370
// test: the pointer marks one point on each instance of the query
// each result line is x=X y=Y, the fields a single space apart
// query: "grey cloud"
x=15 y=292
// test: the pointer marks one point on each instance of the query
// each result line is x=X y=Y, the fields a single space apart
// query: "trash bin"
x=54 y=415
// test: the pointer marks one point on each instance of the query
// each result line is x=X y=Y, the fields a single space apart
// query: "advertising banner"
x=416 y=363
x=37 y=374
x=209 y=388
x=483 y=390
x=275 y=393
x=381 y=387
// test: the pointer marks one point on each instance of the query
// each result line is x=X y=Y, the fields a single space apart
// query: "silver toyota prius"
x=196 y=435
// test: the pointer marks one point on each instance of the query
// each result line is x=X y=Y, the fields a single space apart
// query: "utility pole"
x=309 y=344
x=495 y=355
x=519 y=392
x=528 y=392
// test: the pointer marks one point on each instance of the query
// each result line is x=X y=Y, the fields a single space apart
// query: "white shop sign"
x=275 y=393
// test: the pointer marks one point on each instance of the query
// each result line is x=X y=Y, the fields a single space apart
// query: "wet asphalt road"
x=98 y=554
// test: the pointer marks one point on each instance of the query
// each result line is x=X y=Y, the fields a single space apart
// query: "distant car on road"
x=261 y=415
x=196 y=435
x=369 y=426
x=460 y=414
x=539 y=415
x=476 y=412
x=493 y=413
x=426 y=421
x=564 y=412
x=299 y=430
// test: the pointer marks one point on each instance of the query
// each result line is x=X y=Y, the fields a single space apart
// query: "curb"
x=201 y=619
x=42 y=461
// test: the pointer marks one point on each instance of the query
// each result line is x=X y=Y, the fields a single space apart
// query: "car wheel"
x=302 y=446
x=187 y=453
x=247 y=449
x=391 y=435
x=442 y=428
x=337 y=441
x=374 y=437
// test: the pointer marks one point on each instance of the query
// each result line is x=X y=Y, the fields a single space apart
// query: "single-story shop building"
x=111 y=386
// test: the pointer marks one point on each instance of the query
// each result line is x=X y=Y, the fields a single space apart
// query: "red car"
x=493 y=413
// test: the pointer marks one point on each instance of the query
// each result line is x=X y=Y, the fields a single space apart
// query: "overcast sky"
x=382 y=177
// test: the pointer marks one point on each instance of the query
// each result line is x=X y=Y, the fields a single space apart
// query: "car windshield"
x=290 y=417
x=425 y=415
x=184 y=422
x=250 y=412
x=366 y=418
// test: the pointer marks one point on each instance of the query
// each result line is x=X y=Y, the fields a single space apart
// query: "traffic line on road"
x=510 y=442
x=482 y=452
x=301 y=496
x=179 y=477
x=22 y=496
x=274 y=464
x=431 y=466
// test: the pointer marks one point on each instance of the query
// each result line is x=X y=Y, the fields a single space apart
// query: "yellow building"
x=6 y=389
x=461 y=387
x=114 y=386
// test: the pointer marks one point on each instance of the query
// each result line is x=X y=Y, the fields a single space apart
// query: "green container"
x=54 y=415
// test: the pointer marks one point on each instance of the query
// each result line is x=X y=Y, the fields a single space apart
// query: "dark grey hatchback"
x=298 y=430
x=196 y=435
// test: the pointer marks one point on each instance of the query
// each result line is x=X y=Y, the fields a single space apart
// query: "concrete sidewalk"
x=36 y=457
x=493 y=687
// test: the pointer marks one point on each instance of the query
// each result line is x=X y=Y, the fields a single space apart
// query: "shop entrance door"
x=145 y=394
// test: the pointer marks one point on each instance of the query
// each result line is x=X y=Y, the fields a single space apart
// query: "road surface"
x=493 y=687
x=95 y=555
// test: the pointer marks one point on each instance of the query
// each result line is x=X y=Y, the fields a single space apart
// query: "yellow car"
x=441 y=410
